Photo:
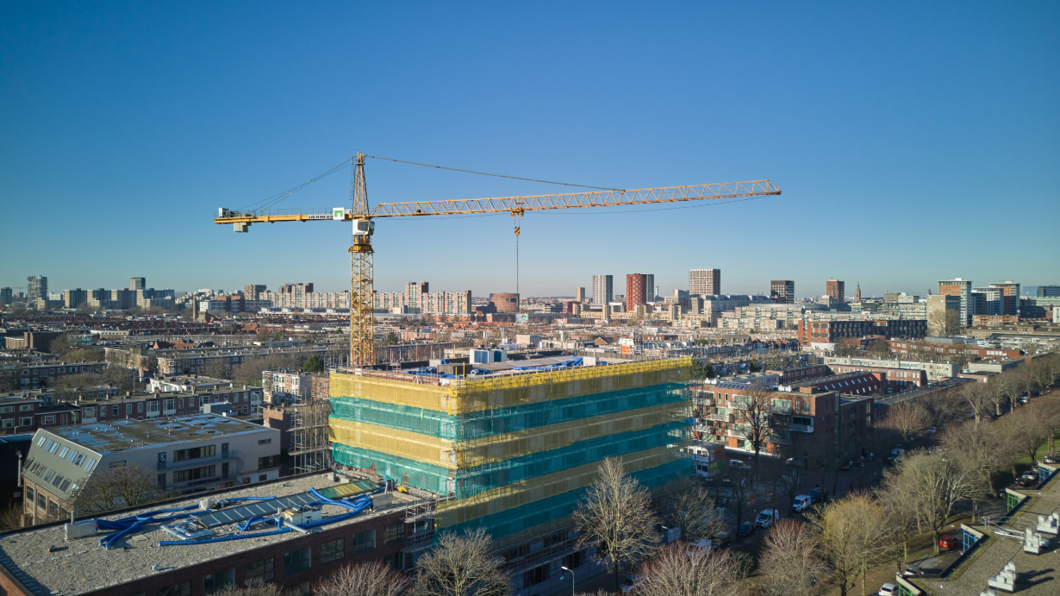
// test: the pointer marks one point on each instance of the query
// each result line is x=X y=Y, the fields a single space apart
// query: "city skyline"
x=155 y=139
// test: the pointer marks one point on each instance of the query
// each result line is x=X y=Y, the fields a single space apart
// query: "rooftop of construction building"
x=127 y=434
x=48 y=564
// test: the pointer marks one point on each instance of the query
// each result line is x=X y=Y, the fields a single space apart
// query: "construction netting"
x=462 y=396
x=484 y=423
x=464 y=483
x=559 y=507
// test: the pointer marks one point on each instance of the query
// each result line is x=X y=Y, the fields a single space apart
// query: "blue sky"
x=913 y=141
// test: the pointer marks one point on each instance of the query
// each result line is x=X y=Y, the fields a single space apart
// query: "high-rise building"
x=649 y=287
x=37 y=288
x=505 y=302
x=137 y=283
x=1048 y=291
x=936 y=312
x=1011 y=301
x=782 y=291
x=963 y=289
x=636 y=290
x=74 y=298
x=579 y=295
x=603 y=290
x=836 y=289
x=6 y=296
x=252 y=291
x=704 y=282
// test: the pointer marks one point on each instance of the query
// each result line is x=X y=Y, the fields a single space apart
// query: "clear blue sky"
x=913 y=141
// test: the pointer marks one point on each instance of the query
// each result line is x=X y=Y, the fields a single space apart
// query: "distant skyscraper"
x=579 y=295
x=252 y=291
x=1048 y=291
x=649 y=287
x=836 y=289
x=603 y=289
x=636 y=290
x=37 y=288
x=6 y=296
x=962 y=288
x=782 y=291
x=1011 y=291
x=705 y=282
x=137 y=283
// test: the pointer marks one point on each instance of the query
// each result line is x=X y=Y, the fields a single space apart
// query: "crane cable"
x=274 y=199
x=426 y=165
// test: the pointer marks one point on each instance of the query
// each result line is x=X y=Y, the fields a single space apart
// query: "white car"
x=767 y=517
x=802 y=503
x=888 y=589
x=631 y=582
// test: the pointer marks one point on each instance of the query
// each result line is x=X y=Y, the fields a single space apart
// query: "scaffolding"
x=310 y=443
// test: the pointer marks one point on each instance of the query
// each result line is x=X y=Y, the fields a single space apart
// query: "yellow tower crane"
x=362 y=296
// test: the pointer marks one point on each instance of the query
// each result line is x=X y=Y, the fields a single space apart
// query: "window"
x=363 y=542
x=394 y=532
x=332 y=550
x=262 y=477
x=180 y=403
x=264 y=441
x=216 y=582
x=62 y=454
x=90 y=412
x=41 y=441
x=128 y=409
x=7 y=409
x=48 y=420
x=297 y=560
x=29 y=494
x=42 y=501
x=195 y=474
x=269 y=461
x=9 y=422
x=89 y=464
x=51 y=446
x=49 y=475
x=259 y=571
x=183 y=589
x=194 y=453
x=113 y=410
x=152 y=406
x=139 y=407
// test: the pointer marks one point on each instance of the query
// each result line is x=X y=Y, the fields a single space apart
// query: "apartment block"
x=810 y=332
x=961 y=288
x=782 y=291
x=603 y=289
x=704 y=282
x=636 y=290
x=836 y=289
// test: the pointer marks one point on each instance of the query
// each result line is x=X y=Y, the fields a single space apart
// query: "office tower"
x=37 y=288
x=252 y=291
x=782 y=291
x=635 y=290
x=1048 y=291
x=579 y=295
x=137 y=283
x=704 y=282
x=603 y=289
x=649 y=287
x=836 y=289
x=1010 y=303
x=963 y=289
x=6 y=296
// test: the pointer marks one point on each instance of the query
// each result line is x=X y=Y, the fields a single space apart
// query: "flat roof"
x=118 y=435
x=81 y=566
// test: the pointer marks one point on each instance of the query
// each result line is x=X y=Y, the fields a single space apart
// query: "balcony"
x=722 y=418
x=703 y=401
x=802 y=428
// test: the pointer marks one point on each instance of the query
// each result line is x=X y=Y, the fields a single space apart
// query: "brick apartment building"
x=948 y=349
x=38 y=376
x=27 y=411
x=832 y=331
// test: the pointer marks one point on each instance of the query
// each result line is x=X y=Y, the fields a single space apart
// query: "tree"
x=701 y=371
x=933 y=485
x=1028 y=430
x=945 y=323
x=980 y=449
x=64 y=343
x=461 y=565
x=216 y=368
x=755 y=419
x=313 y=364
x=902 y=520
x=693 y=510
x=978 y=397
x=255 y=587
x=391 y=339
x=852 y=532
x=124 y=485
x=616 y=516
x=11 y=517
x=1040 y=374
x=123 y=379
x=366 y=579
x=845 y=348
x=789 y=557
x=11 y=378
x=67 y=388
x=879 y=348
x=905 y=418
x=675 y=573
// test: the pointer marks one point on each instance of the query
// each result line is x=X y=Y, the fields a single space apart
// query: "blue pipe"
x=223 y=538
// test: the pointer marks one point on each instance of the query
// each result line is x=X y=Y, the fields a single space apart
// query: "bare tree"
x=1040 y=374
x=945 y=323
x=978 y=449
x=901 y=516
x=754 y=419
x=11 y=518
x=365 y=579
x=852 y=533
x=693 y=510
x=977 y=396
x=461 y=565
x=1028 y=429
x=124 y=485
x=616 y=516
x=934 y=485
x=676 y=573
x=790 y=560
x=906 y=418
x=255 y=587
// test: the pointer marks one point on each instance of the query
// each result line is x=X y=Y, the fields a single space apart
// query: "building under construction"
x=515 y=445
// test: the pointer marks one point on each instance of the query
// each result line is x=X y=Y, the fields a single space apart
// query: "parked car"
x=738 y=465
x=817 y=494
x=801 y=503
x=766 y=518
x=895 y=454
x=947 y=542
x=631 y=581
x=721 y=540
x=699 y=547
x=1024 y=482
x=912 y=570
x=931 y=429
x=1050 y=459
x=888 y=589
x=747 y=528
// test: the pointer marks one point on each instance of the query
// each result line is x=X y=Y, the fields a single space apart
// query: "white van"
x=802 y=503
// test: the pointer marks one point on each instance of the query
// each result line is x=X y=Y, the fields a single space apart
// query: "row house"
x=244 y=402
x=951 y=350
x=38 y=376
x=27 y=411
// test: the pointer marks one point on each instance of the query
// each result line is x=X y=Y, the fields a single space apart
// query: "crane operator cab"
x=363 y=227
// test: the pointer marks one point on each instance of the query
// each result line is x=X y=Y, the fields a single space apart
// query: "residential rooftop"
x=44 y=561
x=126 y=434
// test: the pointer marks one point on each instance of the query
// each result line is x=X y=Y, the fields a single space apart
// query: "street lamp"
x=571 y=579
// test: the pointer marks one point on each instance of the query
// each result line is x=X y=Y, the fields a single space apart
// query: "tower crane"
x=362 y=296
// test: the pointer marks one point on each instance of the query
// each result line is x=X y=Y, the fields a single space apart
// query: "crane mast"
x=362 y=291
